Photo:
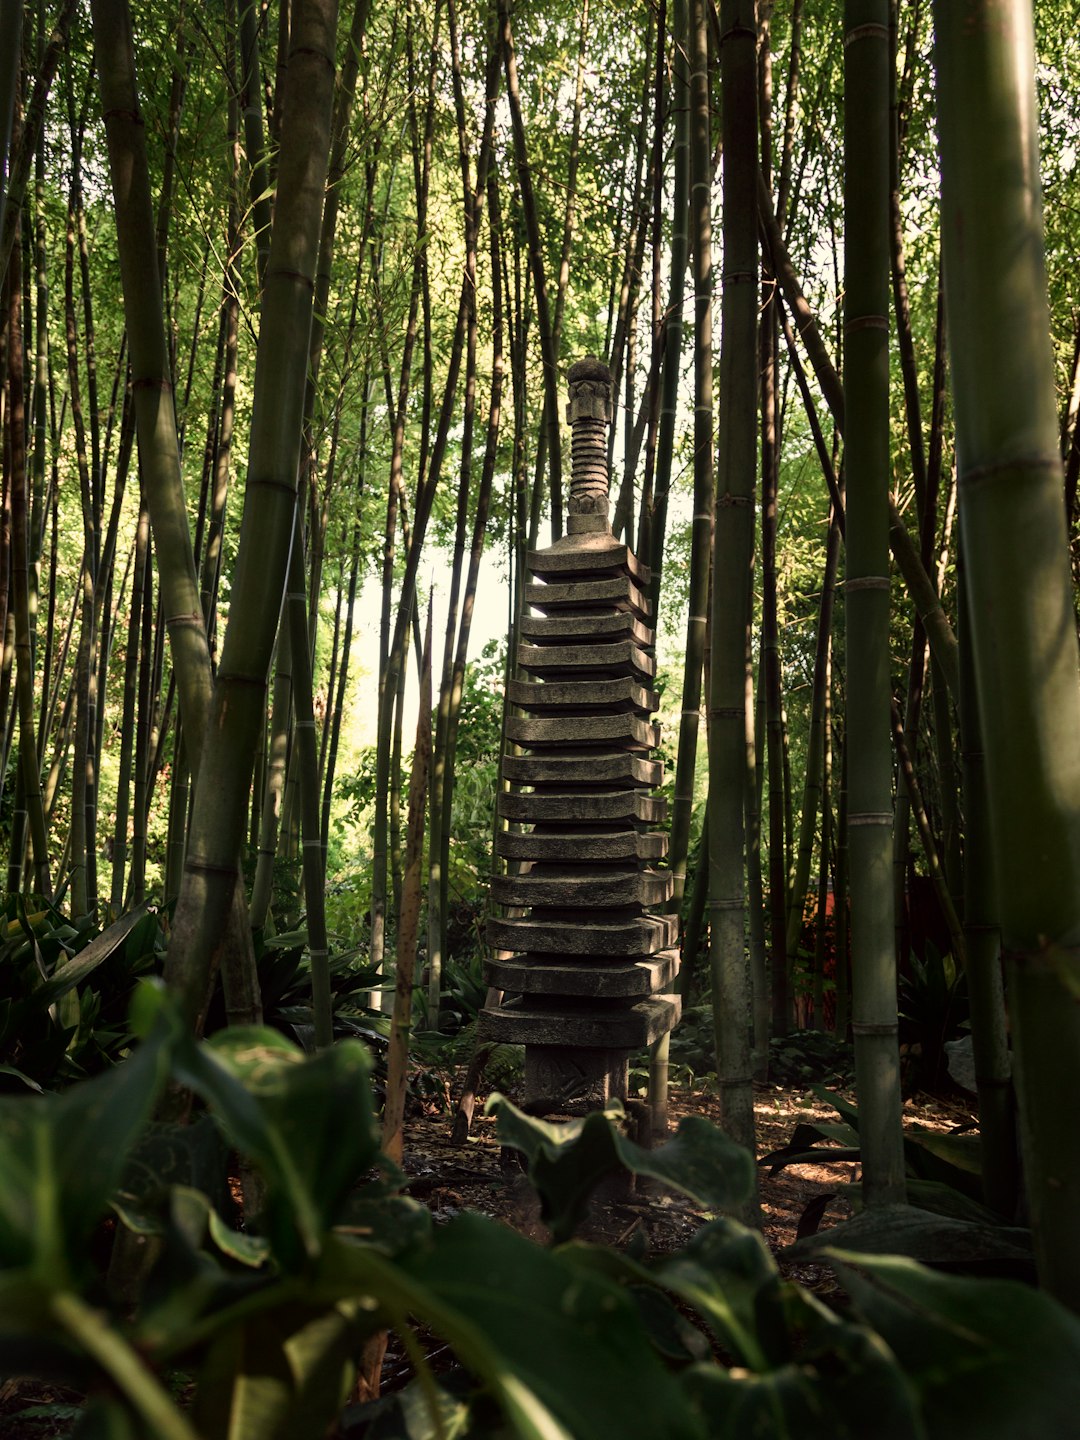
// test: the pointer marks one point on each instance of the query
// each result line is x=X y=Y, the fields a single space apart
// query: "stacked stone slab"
x=587 y=958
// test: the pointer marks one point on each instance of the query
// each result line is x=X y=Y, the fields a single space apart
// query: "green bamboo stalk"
x=128 y=722
x=155 y=417
x=29 y=770
x=1017 y=576
x=401 y=1018
x=18 y=169
x=866 y=399
x=998 y=1155
x=11 y=19
x=733 y=555
x=697 y=46
x=919 y=584
x=814 y=801
x=536 y=263
x=217 y=826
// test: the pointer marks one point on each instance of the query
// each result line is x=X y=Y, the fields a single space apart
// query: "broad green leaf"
x=851 y=1391
x=62 y=1156
x=26 y=1080
x=990 y=1358
x=567 y=1161
x=920 y=1235
x=419 y=1412
x=105 y=1419
x=281 y=1374
x=165 y=1155
x=723 y=1273
x=66 y=976
x=307 y=1122
x=563 y=1350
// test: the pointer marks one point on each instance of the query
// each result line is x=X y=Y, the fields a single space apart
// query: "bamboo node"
x=203 y=866
x=317 y=54
x=872 y=817
x=119 y=113
x=975 y=473
x=867 y=582
x=862 y=1027
x=866 y=32
x=279 y=272
x=866 y=322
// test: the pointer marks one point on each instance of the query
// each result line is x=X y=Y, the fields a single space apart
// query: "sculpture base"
x=566 y=1080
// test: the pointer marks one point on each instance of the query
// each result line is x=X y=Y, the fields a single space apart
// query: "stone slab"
x=587 y=626
x=615 y=979
x=586 y=555
x=584 y=696
x=593 y=1027
x=583 y=769
x=594 y=808
x=628 y=937
x=581 y=847
x=618 y=592
x=572 y=730
x=571 y=890
x=621 y=657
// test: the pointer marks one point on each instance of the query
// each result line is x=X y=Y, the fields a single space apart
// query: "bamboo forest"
x=539 y=719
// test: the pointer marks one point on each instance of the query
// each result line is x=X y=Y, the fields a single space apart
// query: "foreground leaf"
x=567 y=1161
x=562 y=1350
x=990 y=1358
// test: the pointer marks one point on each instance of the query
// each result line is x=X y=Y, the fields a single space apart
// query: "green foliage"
x=933 y=1009
x=573 y=1343
x=804 y=1056
x=65 y=989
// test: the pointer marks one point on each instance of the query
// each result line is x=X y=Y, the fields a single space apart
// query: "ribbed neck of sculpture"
x=589 y=414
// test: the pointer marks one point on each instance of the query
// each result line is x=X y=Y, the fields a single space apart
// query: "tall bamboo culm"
x=218 y=819
x=733 y=554
x=1017 y=578
x=866 y=397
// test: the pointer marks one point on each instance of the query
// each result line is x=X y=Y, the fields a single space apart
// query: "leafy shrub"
x=576 y=1342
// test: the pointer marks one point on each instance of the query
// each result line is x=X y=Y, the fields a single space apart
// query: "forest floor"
x=449 y=1178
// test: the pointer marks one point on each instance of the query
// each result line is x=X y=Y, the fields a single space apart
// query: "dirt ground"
x=449 y=1178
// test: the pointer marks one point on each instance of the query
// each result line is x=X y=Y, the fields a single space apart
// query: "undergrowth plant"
x=262 y=1326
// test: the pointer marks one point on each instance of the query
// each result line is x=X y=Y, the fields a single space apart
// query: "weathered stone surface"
x=582 y=847
x=567 y=730
x=589 y=966
x=627 y=936
x=594 y=769
x=593 y=1027
x=538 y=808
x=573 y=1082
x=586 y=556
x=621 y=657
x=616 y=979
x=602 y=696
x=618 y=591
x=592 y=887
x=587 y=626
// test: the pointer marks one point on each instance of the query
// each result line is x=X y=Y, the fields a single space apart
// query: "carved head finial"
x=589 y=413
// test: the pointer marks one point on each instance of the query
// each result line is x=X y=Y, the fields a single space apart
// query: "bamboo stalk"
x=1017 y=576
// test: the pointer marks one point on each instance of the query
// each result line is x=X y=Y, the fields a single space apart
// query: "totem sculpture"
x=587 y=956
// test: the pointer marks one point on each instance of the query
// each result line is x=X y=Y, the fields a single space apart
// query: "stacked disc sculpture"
x=584 y=957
